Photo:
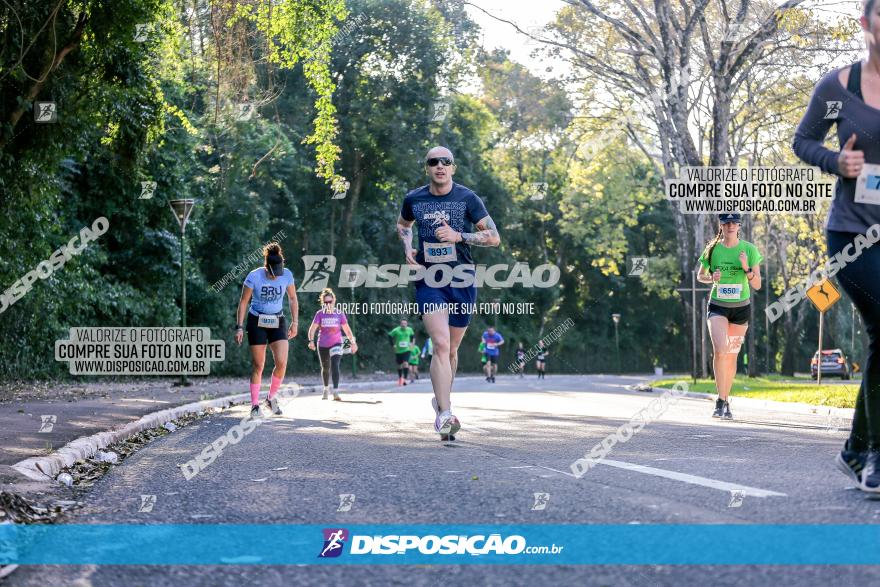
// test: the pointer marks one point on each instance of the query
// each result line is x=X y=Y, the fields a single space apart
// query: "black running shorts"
x=258 y=336
x=734 y=315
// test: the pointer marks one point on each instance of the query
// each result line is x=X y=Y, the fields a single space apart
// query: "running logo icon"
x=147 y=503
x=45 y=112
x=639 y=266
x=318 y=270
x=334 y=541
x=437 y=217
x=541 y=501
x=346 y=500
x=736 y=498
x=47 y=423
x=832 y=109
x=148 y=188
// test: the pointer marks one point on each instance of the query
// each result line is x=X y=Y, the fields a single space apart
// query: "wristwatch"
x=238 y=327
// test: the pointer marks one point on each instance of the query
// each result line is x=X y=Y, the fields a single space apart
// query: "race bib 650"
x=728 y=291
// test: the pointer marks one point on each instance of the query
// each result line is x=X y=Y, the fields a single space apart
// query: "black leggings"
x=329 y=364
x=859 y=280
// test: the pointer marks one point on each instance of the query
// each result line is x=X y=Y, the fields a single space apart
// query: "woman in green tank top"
x=733 y=267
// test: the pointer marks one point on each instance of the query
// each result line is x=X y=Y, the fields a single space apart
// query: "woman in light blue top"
x=261 y=299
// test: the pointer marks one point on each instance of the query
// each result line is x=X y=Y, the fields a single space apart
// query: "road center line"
x=684 y=477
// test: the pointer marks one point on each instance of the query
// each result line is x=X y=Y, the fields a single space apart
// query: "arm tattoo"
x=487 y=237
x=405 y=233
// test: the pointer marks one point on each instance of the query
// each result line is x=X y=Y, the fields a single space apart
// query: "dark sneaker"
x=851 y=464
x=870 y=480
x=447 y=437
x=273 y=406
x=255 y=411
x=719 y=408
x=725 y=414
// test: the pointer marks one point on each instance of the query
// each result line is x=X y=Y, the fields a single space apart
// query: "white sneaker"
x=336 y=397
x=447 y=423
x=326 y=393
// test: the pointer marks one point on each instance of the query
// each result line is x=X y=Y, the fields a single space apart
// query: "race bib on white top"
x=868 y=185
x=439 y=252
x=267 y=321
x=728 y=291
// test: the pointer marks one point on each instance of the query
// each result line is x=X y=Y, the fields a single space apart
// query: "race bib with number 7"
x=868 y=185
x=439 y=252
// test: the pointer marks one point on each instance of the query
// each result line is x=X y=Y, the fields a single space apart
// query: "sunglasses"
x=433 y=161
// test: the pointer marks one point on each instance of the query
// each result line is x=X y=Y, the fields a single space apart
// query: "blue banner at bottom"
x=213 y=544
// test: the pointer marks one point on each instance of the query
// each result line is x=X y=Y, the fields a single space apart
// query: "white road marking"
x=692 y=479
x=684 y=477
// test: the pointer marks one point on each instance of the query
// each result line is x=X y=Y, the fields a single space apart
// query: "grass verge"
x=776 y=389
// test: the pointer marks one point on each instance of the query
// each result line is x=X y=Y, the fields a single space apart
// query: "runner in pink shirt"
x=330 y=323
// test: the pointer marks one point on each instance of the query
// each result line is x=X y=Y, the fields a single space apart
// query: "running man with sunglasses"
x=445 y=213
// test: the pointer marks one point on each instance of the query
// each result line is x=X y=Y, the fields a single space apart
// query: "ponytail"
x=711 y=246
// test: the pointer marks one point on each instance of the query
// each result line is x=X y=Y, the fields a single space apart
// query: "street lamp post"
x=352 y=280
x=616 y=319
x=181 y=210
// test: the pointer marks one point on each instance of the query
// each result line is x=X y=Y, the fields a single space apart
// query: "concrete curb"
x=45 y=468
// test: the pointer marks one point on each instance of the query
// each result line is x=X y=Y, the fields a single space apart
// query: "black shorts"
x=492 y=359
x=401 y=357
x=734 y=315
x=259 y=336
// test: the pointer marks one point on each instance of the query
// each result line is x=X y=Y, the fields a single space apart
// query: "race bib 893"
x=439 y=252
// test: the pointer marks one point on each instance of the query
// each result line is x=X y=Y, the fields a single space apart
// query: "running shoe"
x=719 y=408
x=851 y=464
x=870 y=480
x=447 y=437
x=326 y=393
x=255 y=411
x=336 y=397
x=726 y=415
x=447 y=423
x=273 y=406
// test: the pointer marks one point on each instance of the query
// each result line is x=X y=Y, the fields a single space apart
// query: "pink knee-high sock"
x=255 y=394
x=274 y=386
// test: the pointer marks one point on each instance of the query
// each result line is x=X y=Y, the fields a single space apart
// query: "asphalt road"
x=519 y=437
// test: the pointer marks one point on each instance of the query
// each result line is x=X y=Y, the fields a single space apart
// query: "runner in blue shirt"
x=493 y=341
x=445 y=214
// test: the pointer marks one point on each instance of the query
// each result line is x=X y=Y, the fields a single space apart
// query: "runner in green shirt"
x=733 y=267
x=414 y=355
x=483 y=359
x=400 y=338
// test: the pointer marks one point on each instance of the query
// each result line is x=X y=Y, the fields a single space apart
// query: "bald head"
x=440 y=167
x=439 y=152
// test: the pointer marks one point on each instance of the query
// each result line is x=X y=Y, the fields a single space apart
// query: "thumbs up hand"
x=850 y=161
x=446 y=234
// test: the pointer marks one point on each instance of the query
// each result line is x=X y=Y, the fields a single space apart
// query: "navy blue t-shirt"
x=460 y=208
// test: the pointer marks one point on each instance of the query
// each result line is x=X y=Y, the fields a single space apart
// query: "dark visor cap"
x=725 y=218
x=275 y=264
